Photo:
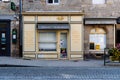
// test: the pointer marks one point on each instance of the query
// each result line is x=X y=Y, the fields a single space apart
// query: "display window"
x=97 y=39
x=47 y=41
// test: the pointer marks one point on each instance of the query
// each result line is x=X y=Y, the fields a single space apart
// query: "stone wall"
x=109 y=9
x=5 y=7
x=15 y=47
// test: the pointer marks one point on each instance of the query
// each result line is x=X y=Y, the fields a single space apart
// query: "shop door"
x=63 y=45
x=4 y=39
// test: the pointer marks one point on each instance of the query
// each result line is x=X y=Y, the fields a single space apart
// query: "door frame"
x=7 y=21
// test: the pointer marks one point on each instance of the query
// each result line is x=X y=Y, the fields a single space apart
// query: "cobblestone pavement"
x=64 y=73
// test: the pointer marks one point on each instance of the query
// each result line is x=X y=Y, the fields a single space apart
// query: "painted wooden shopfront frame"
x=76 y=23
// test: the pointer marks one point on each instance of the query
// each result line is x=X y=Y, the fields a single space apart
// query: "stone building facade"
x=99 y=18
x=56 y=31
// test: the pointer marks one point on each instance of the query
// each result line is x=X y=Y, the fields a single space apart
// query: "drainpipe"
x=20 y=28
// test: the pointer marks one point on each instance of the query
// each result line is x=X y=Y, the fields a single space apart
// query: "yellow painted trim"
x=53 y=18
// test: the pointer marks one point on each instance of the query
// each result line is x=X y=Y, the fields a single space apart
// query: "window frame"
x=47 y=1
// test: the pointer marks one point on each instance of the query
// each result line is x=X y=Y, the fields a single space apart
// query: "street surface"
x=64 y=73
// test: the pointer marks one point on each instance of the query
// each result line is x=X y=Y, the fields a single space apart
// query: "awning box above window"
x=53 y=26
x=100 y=21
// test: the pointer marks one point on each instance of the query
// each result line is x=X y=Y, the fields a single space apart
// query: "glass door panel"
x=63 y=45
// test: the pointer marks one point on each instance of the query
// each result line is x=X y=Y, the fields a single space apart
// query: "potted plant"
x=114 y=54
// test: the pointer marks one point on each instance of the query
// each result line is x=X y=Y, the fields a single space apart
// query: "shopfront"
x=53 y=35
x=99 y=34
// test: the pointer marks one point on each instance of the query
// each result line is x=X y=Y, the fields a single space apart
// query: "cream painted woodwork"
x=53 y=18
x=76 y=56
x=47 y=56
x=29 y=18
x=58 y=44
x=30 y=56
x=76 y=18
x=29 y=37
x=76 y=37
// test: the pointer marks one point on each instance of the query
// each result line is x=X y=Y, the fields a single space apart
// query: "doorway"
x=118 y=37
x=4 y=39
x=63 y=45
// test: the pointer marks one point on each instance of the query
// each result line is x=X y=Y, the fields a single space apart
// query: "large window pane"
x=47 y=46
x=47 y=41
x=56 y=1
x=47 y=37
x=98 y=39
x=50 y=1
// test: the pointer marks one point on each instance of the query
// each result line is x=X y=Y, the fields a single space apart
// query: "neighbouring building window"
x=4 y=0
x=98 y=1
x=47 y=41
x=97 y=39
x=53 y=1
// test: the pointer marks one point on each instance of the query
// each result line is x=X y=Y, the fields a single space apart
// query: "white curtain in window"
x=47 y=41
x=47 y=46
x=98 y=1
x=47 y=37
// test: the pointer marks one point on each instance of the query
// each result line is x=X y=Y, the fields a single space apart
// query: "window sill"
x=52 y=3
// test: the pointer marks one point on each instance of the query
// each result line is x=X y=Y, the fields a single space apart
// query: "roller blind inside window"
x=47 y=41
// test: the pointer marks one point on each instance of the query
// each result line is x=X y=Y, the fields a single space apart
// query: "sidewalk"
x=50 y=63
